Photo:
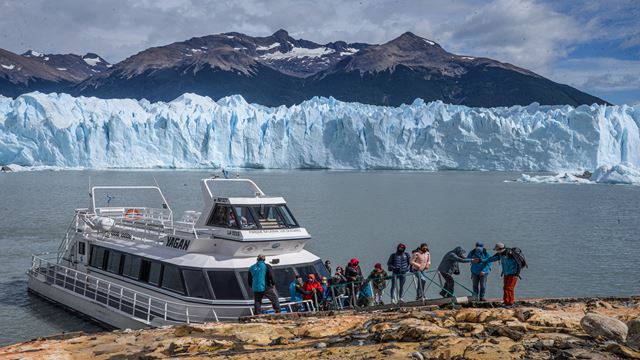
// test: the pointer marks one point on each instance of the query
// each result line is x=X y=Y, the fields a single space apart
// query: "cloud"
x=599 y=74
x=525 y=33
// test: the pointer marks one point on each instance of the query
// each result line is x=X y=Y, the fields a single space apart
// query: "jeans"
x=271 y=294
x=398 y=279
x=448 y=285
x=479 y=285
x=421 y=282
x=377 y=295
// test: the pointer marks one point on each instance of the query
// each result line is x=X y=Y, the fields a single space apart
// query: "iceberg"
x=58 y=130
x=617 y=174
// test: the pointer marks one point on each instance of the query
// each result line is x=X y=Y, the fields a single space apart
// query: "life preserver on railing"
x=132 y=214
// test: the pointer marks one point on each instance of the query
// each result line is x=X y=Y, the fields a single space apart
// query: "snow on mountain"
x=298 y=53
x=195 y=132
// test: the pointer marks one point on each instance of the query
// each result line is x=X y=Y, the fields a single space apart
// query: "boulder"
x=597 y=325
x=633 y=335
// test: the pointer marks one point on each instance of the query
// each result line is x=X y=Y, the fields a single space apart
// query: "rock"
x=623 y=351
x=511 y=333
x=501 y=348
x=597 y=325
x=417 y=355
x=321 y=345
x=5 y=168
x=281 y=340
x=633 y=335
x=184 y=330
x=543 y=344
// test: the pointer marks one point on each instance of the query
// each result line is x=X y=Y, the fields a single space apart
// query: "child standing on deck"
x=378 y=278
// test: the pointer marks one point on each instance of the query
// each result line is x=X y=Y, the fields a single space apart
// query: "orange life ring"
x=132 y=214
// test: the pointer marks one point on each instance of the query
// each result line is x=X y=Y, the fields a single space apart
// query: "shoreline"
x=539 y=328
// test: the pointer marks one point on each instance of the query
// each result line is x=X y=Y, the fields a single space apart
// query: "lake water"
x=580 y=240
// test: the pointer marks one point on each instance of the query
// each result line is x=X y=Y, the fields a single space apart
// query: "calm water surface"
x=580 y=240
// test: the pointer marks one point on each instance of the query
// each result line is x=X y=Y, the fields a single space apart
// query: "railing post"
x=149 y=310
x=120 y=301
x=108 y=293
x=165 y=311
x=75 y=281
x=133 y=308
x=187 y=312
x=97 y=287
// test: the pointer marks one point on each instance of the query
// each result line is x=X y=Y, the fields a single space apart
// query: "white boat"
x=134 y=266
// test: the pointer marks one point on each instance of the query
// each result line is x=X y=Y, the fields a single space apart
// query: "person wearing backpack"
x=398 y=264
x=512 y=262
x=479 y=271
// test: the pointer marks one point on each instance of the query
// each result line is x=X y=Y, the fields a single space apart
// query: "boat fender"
x=102 y=223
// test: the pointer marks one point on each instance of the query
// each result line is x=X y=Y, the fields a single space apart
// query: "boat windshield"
x=264 y=216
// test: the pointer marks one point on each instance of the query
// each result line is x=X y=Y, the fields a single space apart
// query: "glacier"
x=58 y=130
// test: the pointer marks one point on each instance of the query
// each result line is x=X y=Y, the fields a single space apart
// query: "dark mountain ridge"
x=280 y=70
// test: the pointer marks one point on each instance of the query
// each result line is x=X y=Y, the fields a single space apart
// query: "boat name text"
x=178 y=243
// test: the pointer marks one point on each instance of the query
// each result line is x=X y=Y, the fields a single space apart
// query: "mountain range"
x=280 y=70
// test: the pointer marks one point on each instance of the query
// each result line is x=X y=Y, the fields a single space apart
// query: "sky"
x=589 y=44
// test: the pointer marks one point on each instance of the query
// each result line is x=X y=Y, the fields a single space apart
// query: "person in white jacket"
x=420 y=263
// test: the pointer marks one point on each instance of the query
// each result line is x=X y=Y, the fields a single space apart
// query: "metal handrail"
x=142 y=306
x=349 y=298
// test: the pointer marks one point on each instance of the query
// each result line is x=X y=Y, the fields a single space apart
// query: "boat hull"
x=92 y=309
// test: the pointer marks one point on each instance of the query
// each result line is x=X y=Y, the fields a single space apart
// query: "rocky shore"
x=534 y=329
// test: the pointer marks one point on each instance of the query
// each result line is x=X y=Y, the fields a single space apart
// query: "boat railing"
x=138 y=305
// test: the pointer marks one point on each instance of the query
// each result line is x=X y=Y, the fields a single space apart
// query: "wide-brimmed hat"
x=499 y=247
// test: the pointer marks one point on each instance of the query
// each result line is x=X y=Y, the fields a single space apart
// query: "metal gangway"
x=361 y=295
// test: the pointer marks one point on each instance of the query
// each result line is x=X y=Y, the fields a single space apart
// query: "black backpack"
x=516 y=254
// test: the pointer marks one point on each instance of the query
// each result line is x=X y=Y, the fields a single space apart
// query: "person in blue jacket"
x=509 y=272
x=479 y=271
x=295 y=289
x=263 y=283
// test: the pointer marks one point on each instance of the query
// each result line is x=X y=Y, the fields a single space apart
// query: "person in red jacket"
x=313 y=289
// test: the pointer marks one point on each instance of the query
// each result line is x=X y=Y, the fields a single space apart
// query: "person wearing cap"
x=479 y=271
x=325 y=291
x=378 y=278
x=509 y=273
x=263 y=283
x=449 y=267
x=398 y=264
x=420 y=263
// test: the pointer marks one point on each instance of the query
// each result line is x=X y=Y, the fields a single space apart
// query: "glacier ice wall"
x=193 y=131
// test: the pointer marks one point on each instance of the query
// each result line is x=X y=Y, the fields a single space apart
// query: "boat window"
x=222 y=216
x=225 y=285
x=150 y=272
x=196 y=284
x=154 y=273
x=268 y=217
x=321 y=269
x=131 y=266
x=289 y=220
x=284 y=277
x=247 y=221
x=306 y=270
x=81 y=248
x=244 y=277
x=113 y=262
x=97 y=257
x=171 y=279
